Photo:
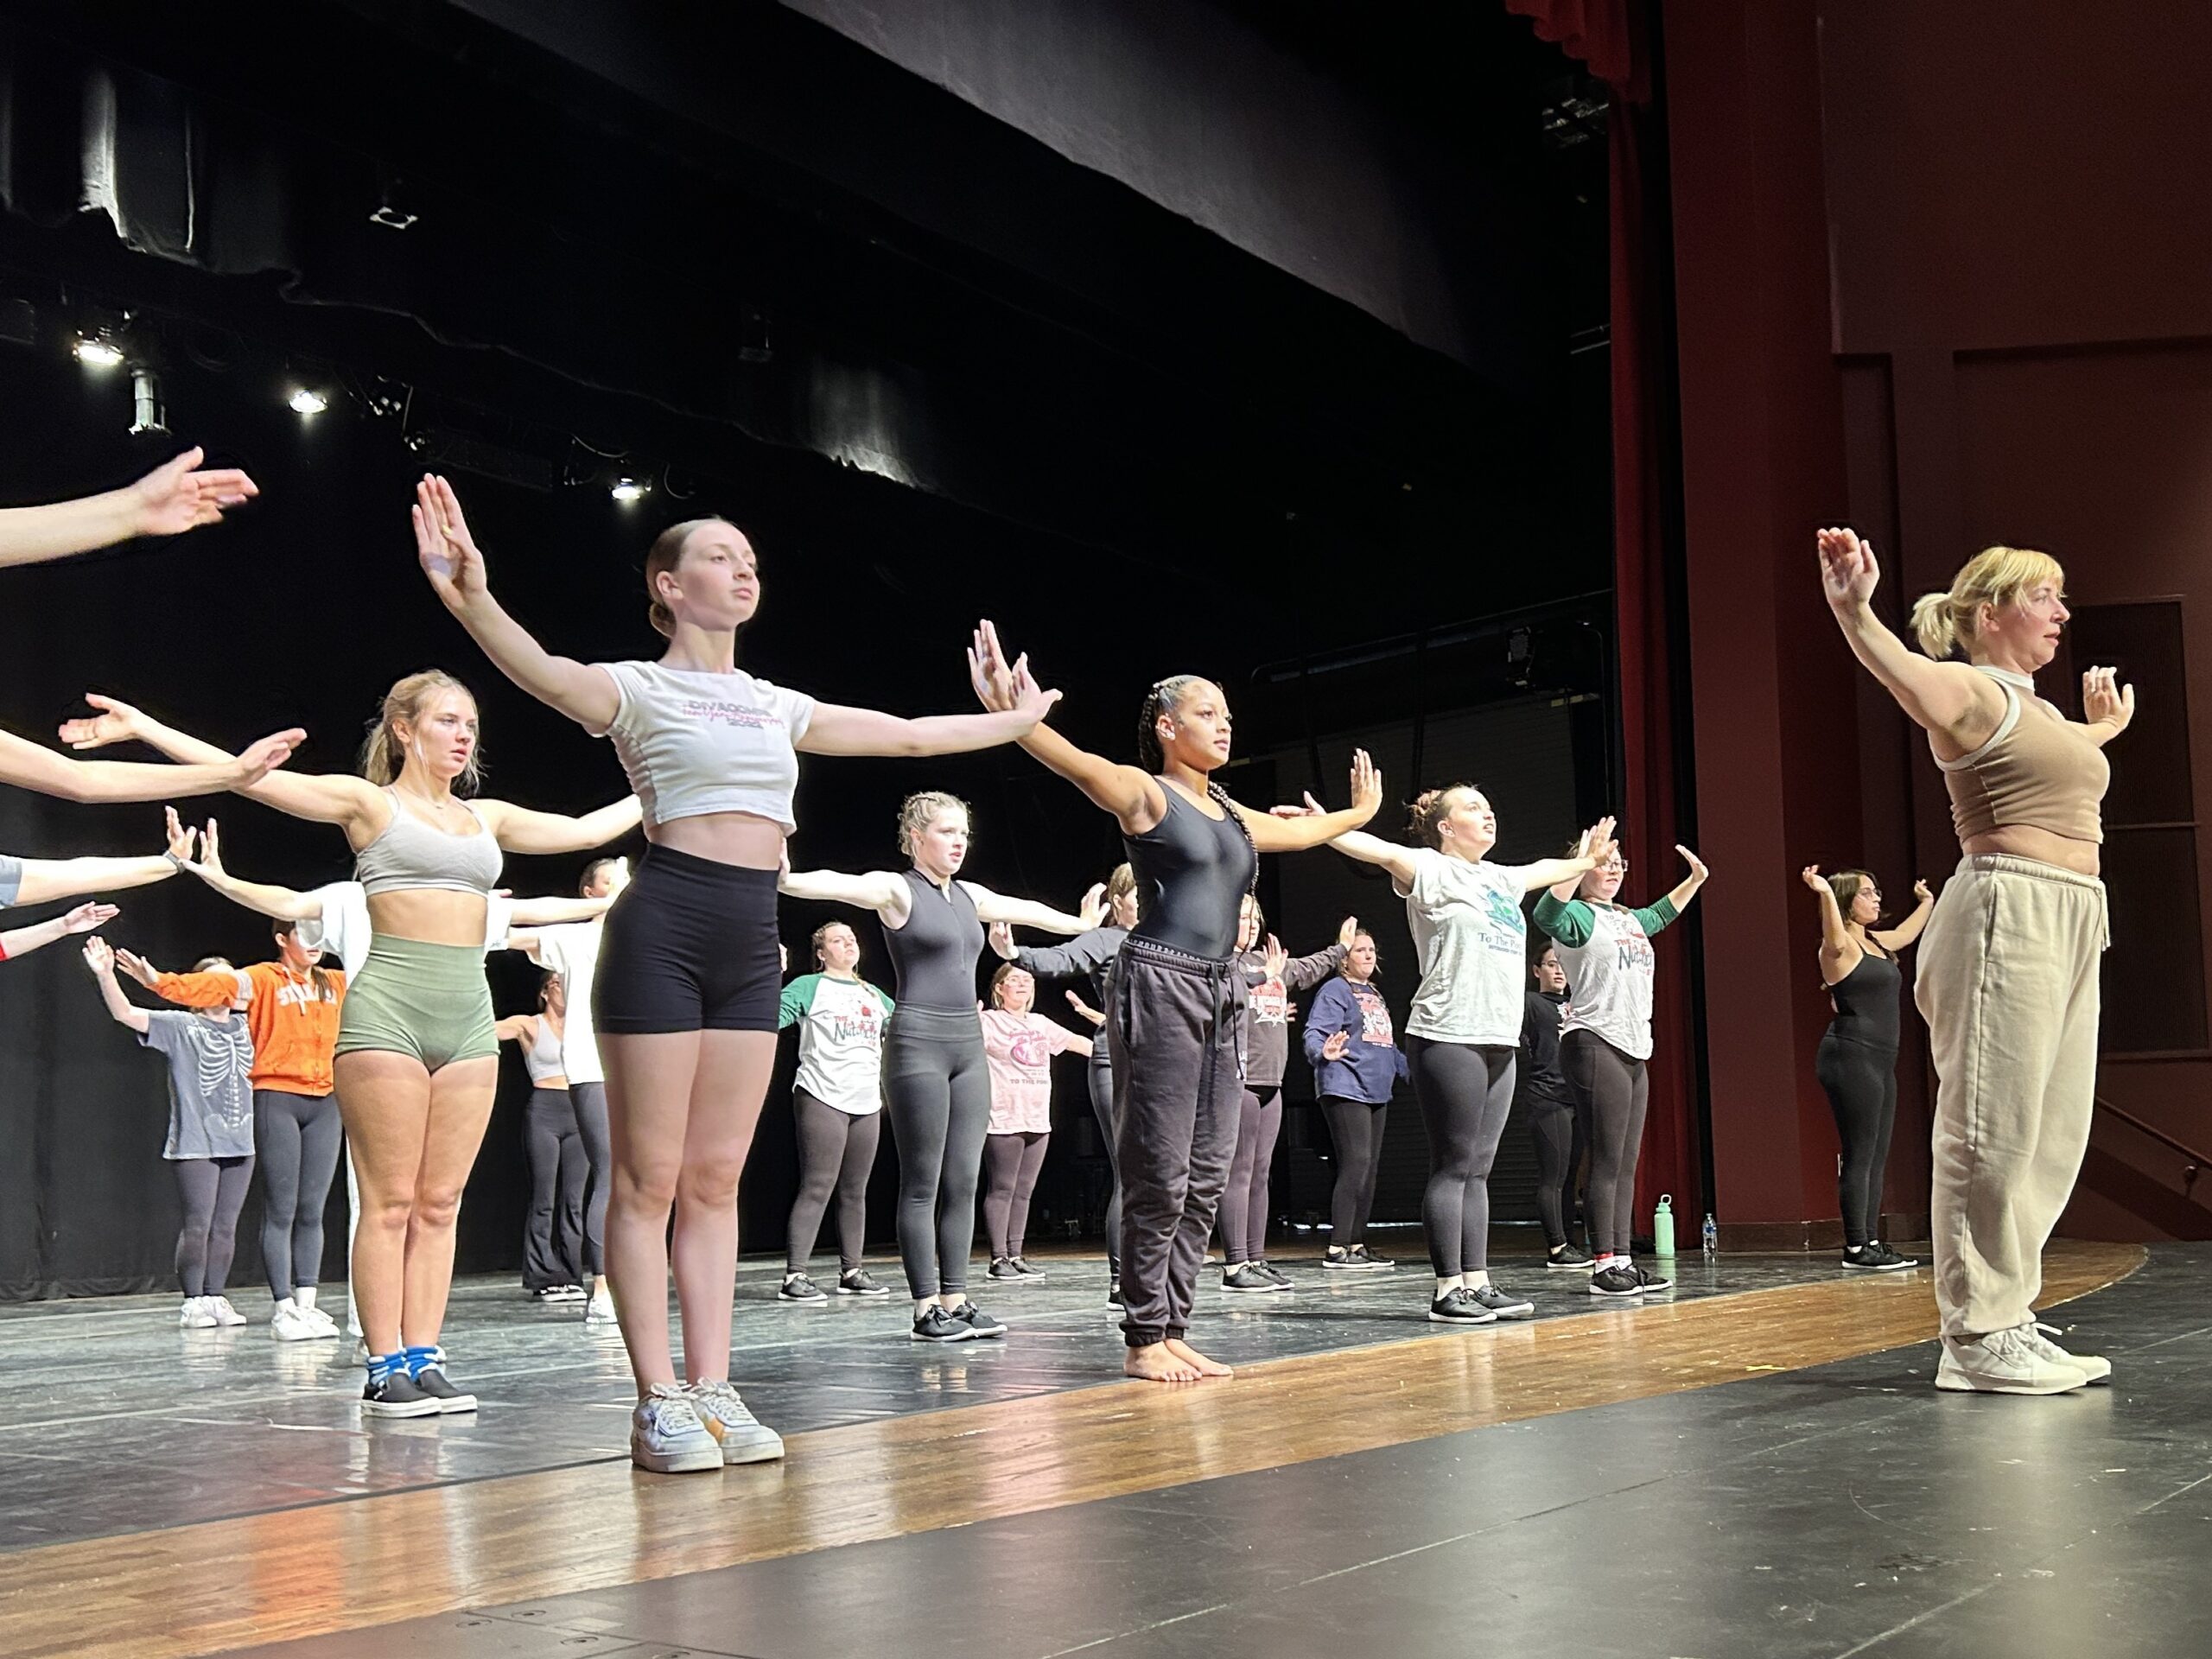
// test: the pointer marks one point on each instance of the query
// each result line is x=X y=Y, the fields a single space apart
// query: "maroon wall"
x=1944 y=281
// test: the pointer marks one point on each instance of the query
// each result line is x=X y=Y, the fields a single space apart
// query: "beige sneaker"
x=2039 y=1337
x=2003 y=1362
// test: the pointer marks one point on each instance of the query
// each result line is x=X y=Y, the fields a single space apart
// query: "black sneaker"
x=1891 y=1262
x=1114 y=1293
x=1282 y=1280
x=1457 y=1307
x=1003 y=1268
x=1022 y=1266
x=397 y=1396
x=798 y=1288
x=1616 y=1281
x=550 y=1294
x=1872 y=1258
x=855 y=1281
x=1651 y=1281
x=1567 y=1256
x=979 y=1323
x=431 y=1381
x=1246 y=1276
x=936 y=1325
x=1500 y=1303
x=1336 y=1256
x=1363 y=1257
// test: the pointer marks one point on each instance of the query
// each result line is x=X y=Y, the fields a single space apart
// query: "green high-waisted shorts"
x=429 y=1000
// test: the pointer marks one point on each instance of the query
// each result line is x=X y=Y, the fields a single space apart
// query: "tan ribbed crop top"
x=2035 y=770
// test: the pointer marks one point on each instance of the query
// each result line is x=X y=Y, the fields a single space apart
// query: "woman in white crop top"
x=418 y=1059
x=689 y=976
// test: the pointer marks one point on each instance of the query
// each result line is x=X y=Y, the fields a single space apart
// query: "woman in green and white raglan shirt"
x=1606 y=1037
x=837 y=1109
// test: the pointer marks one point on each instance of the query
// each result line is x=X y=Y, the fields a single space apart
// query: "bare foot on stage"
x=1159 y=1362
x=1184 y=1352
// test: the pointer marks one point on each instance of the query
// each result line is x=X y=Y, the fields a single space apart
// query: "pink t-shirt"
x=1019 y=1049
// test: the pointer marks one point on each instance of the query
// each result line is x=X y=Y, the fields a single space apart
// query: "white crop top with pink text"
x=694 y=743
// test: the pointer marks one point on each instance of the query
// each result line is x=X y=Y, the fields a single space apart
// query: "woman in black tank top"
x=1857 y=1062
x=935 y=1087
x=1177 y=1015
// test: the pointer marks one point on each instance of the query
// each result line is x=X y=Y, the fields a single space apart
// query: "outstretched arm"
x=1596 y=846
x=1369 y=850
x=1027 y=912
x=550 y=913
x=451 y=560
x=48 y=879
x=1946 y=697
x=1835 y=938
x=2107 y=709
x=1271 y=834
x=101 y=961
x=1685 y=889
x=521 y=829
x=174 y=497
x=881 y=891
x=1902 y=936
x=837 y=730
x=517 y=1028
x=22 y=941
x=328 y=798
x=1132 y=797
x=29 y=766
x=286 y=904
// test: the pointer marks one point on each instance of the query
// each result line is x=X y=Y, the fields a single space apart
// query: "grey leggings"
x=1617 y=1089
x=836 y=1151
x=213 y=1191
x=1244 y=1204
x=1011 y=1162
x=1465 y=1092
x=552 y=1234
x=297 y=1138
x=1101 y=1107
x=1356 y=1131
x=588 y=1100
x=937 y=1091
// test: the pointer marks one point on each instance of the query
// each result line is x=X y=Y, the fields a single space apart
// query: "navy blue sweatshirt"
x=1373 y=1062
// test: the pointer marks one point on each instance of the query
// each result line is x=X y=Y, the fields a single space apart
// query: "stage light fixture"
x=146 y=402
x=305 y=400
x=627 y=490
x=391 y=210
x=98 y=352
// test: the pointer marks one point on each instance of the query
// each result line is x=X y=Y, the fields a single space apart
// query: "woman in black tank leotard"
x=1178 y=995
x=935 y=1087
x=1857 y=1063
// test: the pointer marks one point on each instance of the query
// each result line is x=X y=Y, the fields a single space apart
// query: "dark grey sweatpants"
x=1175 y=1032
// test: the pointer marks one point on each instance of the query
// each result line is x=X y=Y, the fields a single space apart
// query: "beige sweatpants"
x=2008 y=986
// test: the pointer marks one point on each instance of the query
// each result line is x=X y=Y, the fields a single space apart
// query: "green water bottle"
x=1663 y=1225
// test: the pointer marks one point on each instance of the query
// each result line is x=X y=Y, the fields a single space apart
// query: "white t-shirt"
x=343 y=928
x=840 y=1039
x=694 y=742
x=572 y=951
x=1611 y=976
x=1472 y=942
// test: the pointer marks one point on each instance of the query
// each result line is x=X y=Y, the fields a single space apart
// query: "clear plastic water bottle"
x=1711 y=1234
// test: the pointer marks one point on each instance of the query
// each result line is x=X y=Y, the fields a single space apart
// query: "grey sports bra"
x=411 y=855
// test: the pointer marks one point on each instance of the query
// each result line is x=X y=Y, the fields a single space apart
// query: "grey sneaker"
x=1502 y=1304
x=1456 y=1307
x=1282 y=1280
x=798 y=1288
x=725 y=1416
x=979 y=1323
x=1245 y=1276
x=856 y=1281
x=937 y=1324
x=1003 y=1268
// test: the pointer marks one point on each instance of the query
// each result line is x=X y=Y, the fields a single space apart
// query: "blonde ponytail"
x=1933 y=626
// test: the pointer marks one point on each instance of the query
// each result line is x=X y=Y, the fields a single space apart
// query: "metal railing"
x=2197 y=1160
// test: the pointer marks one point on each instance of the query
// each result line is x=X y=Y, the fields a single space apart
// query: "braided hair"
x=1165 y=698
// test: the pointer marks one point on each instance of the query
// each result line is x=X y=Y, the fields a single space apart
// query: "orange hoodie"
x=295 y=1028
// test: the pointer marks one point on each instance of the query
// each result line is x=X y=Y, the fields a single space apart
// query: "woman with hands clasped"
x=2008 y=967
x=1857 y=1061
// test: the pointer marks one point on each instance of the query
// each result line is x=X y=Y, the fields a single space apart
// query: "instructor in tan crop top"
x=2008 y=966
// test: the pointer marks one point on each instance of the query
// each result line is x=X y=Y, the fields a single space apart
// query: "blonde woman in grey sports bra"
x=418 y=1058
x=2008 y=966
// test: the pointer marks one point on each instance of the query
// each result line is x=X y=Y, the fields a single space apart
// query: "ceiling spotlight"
x=627 y=490
x=306 y=401
x=98 y=352
x=146 y=403
x=393 y=211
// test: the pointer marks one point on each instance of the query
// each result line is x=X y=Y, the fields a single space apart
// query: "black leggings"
x=1356 y=1130
x=1100 y=1078
x=1616 y=1090
x=1560 y=1133
x=297 y=1139
x=1244 y=1204
x=1011 y=1163
x=588 y=1101
x=1862 y=1088
x=552 y=1233
x=1465 y=1093
x=213 y=1191
x=836 y=1151
x=938 y=1090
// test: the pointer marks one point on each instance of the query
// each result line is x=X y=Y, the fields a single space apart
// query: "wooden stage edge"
x=219 y=1586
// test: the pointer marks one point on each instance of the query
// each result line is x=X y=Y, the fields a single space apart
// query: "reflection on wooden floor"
x=232 y=1584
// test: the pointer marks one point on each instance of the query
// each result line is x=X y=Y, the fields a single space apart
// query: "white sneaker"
x=2039 y=1336
x=742 y=1437
x=2003 y=1363
x=290 y=1323
x=666 y=1436
x=601 y=1309
x=321 y=1321
x=198 y=1314
x=224 y=1312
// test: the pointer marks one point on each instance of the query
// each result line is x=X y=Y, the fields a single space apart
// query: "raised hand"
x=2104 y=702
x=1347 y=930
x=211 y=853
x=1030 y=698
x=138 y=967
x=1598 y=842
x=1274 y=958
x=257 y=761
x=97 y=957
x=1334 y=1045
x=1085 y=1009
x=180 y=838
x=448 y=554
x=1697 y=865
x=177 y=496
x=1811 y=876
x=117 y=722
x=1848 y=572
x=1921 y=892
x=989 y=671
x=1312 y=809
x=1092 y=910
x=1001 y=938
x=1366 y=785
x=88 y=916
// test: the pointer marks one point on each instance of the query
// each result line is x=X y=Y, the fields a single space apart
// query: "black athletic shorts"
x=690 y=945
